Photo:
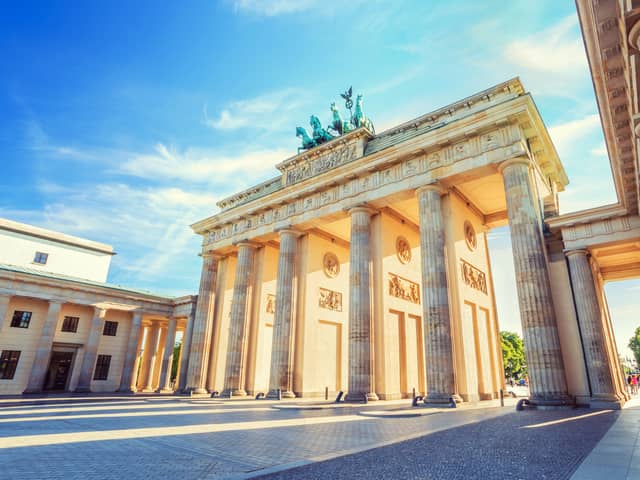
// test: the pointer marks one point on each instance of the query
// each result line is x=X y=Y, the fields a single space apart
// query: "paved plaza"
x=144 y=437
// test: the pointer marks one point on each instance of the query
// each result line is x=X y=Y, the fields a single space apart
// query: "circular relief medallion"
x=331 y=265
x=470 y=235
x=403 y=250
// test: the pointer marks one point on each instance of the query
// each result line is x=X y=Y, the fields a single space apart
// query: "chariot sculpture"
x=340 y=127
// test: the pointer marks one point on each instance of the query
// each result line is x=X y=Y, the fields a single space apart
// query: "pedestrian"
x=634 y=384
x=629 y=388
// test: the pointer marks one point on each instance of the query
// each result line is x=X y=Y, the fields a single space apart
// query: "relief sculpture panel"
x=473 y=277
x=330 y=300
x=404 y=289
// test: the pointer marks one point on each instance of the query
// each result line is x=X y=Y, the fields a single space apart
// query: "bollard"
x=501 y=398
x=326 y=393
x=279 y=394
x=413 y=395
x=366 y=399
x=416 y=400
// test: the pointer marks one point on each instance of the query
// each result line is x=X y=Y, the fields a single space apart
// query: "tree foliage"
x=513 y=355
x=176 y=358
x=634 y=345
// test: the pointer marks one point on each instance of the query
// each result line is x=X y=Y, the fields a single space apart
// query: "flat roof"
x=67 y=278
x=32 y=231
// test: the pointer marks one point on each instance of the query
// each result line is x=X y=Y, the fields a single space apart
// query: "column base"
x=164 y=390
x=148 y=390
x=228 y=393
x=32 y=391
x=442 y=398
x=82 y=389
x=551 y=402
x=610 y=402
x=273 y=394
x=127 y=390
x=356 y=397
x=194 y=391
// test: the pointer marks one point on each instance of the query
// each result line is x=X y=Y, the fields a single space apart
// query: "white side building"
x=53 y=252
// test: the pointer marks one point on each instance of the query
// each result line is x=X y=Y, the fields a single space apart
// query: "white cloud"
x=552 y=61
x=268 y=112
x=203 y=166
x=272 y=8
x=600 y=151
x=566 y=136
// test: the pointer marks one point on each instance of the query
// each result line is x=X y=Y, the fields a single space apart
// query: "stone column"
x=201 y=334
x=43 y=349
x=91 y=351
x=150 y=352
x=164 y=385
x=4 y=308
x=591 y=328
x=441 y=384
x=128 y=369
x=234 y=371
x=185 y=351
x=548 y=384
x=361 y=384
x=282 y=350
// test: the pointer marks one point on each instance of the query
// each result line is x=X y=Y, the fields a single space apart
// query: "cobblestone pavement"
x=100 y=437
x=520 y=445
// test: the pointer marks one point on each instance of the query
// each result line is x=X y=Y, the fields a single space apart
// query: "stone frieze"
x=330 y=300
x=473 y=277
x=404 y=289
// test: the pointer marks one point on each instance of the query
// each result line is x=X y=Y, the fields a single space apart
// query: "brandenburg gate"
x=364 y=267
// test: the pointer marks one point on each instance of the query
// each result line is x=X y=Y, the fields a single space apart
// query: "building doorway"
x=59 y=369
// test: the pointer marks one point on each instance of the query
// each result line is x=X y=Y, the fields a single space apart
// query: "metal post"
x=326 y=393
x=501 y=398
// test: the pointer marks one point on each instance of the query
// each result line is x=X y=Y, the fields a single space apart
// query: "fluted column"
x=603 y=388
x=201 y=334
x=185 y=351
x=128 y=369
x=91 y=350
x=281 y=376
x=361 y=385
x=43 y=350
x=167 y=358
x=548 y=384
x=441 y=384
x=150 y=353
x=4 y=308
x=235 y=368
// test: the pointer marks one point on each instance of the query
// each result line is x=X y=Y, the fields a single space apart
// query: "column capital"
x=361 y=208
x=211 y=254
x=514 y=161
x=57 y=303
x=432 y=187
x=99 y=312
x=577 y=251
x=246 y=243
x=289 y=230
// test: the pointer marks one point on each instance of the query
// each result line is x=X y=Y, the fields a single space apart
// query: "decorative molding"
x=311 y=167
x=473 y=277
x=403 y=250
x=470 y=237
x=331 y=265
x=404 y=289
x=330 y=300
x=271 y=304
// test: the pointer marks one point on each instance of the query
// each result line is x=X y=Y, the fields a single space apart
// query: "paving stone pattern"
x=502 y=447
x=241 y=439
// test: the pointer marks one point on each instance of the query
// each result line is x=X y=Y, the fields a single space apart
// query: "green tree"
x=176 y=357
x=513 y=355
x=634 y=345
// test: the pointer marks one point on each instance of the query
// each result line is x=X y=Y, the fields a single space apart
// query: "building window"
x=41 y=258
x=8 y=364
x=70 y=324
x=102 y=367
x=110 y=328
x=21 y=319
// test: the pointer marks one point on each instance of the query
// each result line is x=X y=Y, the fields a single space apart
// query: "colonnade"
x=150 y=365
x=540 y=331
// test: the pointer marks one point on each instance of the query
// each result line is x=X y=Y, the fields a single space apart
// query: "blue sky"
x=124 y=123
